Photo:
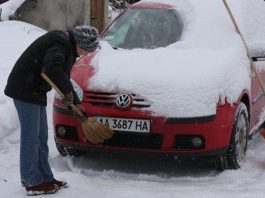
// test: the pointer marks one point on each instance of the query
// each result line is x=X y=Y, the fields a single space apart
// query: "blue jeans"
x=34 y=151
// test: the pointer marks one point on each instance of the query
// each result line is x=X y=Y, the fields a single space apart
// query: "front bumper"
x=168 y=135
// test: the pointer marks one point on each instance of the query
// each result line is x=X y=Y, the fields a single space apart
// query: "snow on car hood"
x=188 y=78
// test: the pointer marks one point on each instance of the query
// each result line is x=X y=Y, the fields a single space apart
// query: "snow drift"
x=9 y=8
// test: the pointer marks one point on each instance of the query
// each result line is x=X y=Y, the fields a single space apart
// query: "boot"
x=43 y=188
x=60 y=184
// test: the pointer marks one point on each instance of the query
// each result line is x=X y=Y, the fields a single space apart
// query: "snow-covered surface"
x=250 y=18
x=251 y=21
x=9 y=8
x=176 y=79
x=114 y=176
x=110 y=175
x=15 y=37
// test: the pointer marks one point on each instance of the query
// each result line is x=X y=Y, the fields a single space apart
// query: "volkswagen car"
x=184 y=104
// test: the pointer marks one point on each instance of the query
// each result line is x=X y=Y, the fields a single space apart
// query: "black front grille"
x=135 y=140
x=108 y=99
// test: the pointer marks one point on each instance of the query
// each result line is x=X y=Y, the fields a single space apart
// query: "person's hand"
x=83 y=110
x=96 y=132
x=68 y=99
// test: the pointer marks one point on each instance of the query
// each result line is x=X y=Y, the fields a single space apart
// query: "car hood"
x=177 y=82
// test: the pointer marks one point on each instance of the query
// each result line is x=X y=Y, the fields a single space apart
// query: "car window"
x=145 y=28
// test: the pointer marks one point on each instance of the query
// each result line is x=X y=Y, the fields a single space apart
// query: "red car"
x=223 y=136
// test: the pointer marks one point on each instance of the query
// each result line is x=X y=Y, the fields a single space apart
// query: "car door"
x=258 y=97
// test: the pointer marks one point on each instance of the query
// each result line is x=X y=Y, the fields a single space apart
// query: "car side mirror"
x=257 y=51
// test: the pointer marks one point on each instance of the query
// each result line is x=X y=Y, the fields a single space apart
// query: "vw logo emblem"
x=123 y=101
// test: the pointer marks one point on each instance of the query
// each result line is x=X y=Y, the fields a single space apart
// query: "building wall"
x=57 y=14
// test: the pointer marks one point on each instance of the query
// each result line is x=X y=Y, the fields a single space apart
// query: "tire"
x=61 y=149
x=220 y=163
x=237 y=148
x=66 y=150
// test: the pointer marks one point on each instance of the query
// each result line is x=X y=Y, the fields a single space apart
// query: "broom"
x=94 y=131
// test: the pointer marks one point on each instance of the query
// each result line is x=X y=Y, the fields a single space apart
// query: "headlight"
x=77 y=88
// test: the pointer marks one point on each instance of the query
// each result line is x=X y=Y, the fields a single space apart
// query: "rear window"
x=145 y=28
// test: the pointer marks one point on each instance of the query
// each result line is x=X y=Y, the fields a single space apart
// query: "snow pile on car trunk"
x=188 y=78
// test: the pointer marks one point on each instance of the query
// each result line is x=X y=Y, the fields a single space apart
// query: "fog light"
x=197 y=141
x=61 y=131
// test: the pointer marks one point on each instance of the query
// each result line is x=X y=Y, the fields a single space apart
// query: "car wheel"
x=220 y=163
x=66 y=150
x=61 y=149
x=236 y=151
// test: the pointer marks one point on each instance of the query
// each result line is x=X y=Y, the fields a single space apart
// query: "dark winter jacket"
x=54 y=54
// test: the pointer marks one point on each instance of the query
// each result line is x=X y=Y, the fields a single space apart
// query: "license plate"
x=121 y=124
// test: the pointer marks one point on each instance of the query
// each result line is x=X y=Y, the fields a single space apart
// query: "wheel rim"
x=241 y=138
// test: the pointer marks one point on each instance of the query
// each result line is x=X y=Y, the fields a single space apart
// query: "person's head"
x=87 y=39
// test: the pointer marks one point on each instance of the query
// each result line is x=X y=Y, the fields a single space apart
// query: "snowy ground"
x=114 y=176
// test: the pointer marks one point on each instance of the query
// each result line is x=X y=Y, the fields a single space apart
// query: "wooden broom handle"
x=75 y=109
x=253 y=67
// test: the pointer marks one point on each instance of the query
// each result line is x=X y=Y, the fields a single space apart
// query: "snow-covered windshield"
x=145 y=28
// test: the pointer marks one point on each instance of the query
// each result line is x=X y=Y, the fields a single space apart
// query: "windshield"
x=145 y=28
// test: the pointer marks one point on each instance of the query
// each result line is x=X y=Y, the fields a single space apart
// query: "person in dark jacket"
x=54 y=54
